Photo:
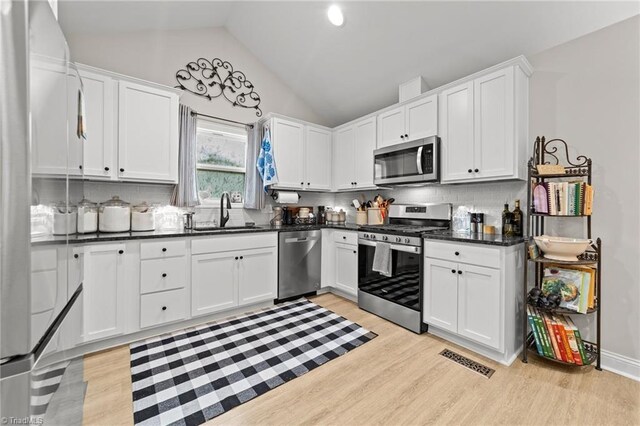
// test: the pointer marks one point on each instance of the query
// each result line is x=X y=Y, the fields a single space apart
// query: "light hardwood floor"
x=398 y=378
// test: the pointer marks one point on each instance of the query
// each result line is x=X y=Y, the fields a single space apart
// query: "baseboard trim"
x=620 y=364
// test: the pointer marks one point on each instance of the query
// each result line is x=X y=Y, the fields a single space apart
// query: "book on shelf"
x=574 y=283
x=556 y=336
x=563 y=198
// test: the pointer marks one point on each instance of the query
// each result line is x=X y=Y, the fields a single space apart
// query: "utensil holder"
x=374 y=216
x=361 y=217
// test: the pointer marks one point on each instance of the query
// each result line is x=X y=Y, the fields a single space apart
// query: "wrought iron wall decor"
x=212 y=79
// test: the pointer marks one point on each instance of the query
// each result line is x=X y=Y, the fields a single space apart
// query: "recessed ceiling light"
x=335 y=15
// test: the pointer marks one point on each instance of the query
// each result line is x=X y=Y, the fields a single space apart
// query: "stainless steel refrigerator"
x=38 y=114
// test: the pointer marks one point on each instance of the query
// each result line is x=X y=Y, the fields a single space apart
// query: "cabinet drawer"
x=463 y=253
x=163 y=249
x=42 y=260
x=163 y=307
x=350 y=238
x=162 y=274
x=250 y=241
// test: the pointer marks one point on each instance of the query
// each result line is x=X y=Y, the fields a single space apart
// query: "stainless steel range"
x=397 y=295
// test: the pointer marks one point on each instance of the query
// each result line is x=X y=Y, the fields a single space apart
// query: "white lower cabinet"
x=103 y=291
x=214 y=280
x=473 y=301
x=163 y=307
x=346 y=267
x=224 y=280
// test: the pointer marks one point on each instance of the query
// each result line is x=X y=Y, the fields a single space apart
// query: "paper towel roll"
x=287 y=197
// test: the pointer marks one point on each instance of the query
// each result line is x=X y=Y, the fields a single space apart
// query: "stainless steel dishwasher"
x=299 y=263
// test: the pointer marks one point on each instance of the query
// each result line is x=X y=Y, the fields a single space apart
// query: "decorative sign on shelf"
x=212 y=79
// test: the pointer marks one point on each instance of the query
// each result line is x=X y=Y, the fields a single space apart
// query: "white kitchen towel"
x=382 y=259
x=266 y=163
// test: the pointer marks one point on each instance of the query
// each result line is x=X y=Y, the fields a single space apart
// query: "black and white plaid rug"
x=193 y=375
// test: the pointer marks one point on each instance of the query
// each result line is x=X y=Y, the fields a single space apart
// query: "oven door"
x=411 y=162
x=404 y=286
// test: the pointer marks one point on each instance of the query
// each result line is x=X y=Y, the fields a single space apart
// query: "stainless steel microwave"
x=411 y=162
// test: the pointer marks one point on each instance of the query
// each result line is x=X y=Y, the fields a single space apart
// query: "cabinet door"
x=49 y=113
x=456 y=110
x=365 y=144
x=344 y=158
x=346 y=265
x=422 y=118
x=214 y=282
x=147 y=133
x=494 y=125
x=317 y=153
x=391 y=129
x=287 y=138
x=99 y=154
x=479 y=302
x=103 y=299
x=441 y=294
x=258 y=280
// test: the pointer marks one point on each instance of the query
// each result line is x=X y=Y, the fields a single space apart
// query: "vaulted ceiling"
x=346 y=72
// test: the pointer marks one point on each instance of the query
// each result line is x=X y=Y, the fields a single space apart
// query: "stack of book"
x=575 y=284
x=563 y=198
x=557 y=337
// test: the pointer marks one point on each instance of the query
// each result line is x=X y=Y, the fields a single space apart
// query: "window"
x=221 y=157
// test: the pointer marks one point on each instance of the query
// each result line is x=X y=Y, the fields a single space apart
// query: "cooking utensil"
x=356 y=204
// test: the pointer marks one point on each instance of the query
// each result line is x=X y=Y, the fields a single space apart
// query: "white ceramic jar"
x=114 y=215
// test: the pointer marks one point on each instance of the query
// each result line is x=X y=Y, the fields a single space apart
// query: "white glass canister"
x=114 y=215
x=64 y=219
x=142 y=218
x=87 y=217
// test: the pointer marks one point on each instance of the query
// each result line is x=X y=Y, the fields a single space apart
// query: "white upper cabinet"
x=421 y=118
x=365 y=144
x=353 y=155
x=303 y=155
x=494 y=125
x=287 y=138
x=456 y=132
x=99 y=147
x=391 y=127
x=415 y=120
x=317 y=158
x=344 y=158
x=483 y=126
x=50 y=84
x=147 y=133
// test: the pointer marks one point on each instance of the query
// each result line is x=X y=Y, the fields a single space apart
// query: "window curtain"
x=185 y=193
x=254 y=197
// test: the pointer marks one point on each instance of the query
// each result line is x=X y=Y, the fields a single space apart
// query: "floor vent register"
x=468 y=363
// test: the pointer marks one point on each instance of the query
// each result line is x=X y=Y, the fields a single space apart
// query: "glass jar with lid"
x=87 y=216
x=142 y=217
x=64 y=218
x=114 y=215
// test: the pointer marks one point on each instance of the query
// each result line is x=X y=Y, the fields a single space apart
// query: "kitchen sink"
x=226 y=228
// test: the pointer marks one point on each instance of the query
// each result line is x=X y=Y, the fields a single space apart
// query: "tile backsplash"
x=480 y=197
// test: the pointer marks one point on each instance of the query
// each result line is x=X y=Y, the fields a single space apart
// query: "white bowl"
x=561 y=248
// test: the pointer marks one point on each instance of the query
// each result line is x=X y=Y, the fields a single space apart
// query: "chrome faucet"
x=224 y=218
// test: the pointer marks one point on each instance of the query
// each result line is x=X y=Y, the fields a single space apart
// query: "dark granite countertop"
x=143 y=235
x=495 y=240
x=488 y=239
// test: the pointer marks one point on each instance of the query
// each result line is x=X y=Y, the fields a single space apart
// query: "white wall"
x=587 y=92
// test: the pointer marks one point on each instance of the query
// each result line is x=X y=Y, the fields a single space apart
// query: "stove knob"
x=373 y=237
x=385 y=238
x=366 y=235
x=407 y=240
x=398 y=240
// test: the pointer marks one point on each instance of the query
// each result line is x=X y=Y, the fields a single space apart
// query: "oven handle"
x=397 y=247
x=419 y=160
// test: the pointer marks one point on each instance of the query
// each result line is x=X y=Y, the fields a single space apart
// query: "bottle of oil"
x=505 y=215
x=517 y=220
